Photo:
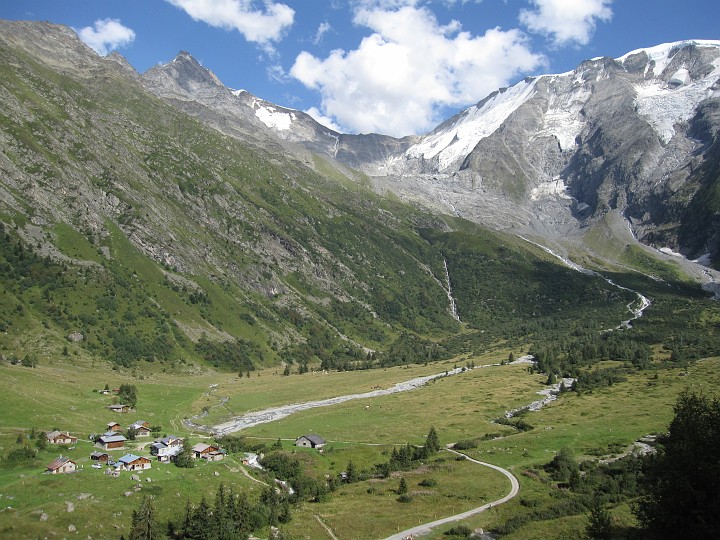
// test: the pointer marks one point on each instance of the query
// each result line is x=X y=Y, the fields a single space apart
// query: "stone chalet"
x=120 y=408
x=142 y=428
x=131 y=462
x=60 y=437
x=111 y=442
x=208 y=452
x=62 y=465
x=310 y=441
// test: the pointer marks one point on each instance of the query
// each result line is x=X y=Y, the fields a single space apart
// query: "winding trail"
x=427 y=527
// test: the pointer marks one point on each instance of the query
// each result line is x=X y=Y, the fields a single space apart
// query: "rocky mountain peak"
x=183 y=75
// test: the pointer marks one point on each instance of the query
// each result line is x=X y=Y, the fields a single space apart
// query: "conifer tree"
x=144 y=523
x=432 y=441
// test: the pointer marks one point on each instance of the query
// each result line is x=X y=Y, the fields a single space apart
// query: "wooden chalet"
x=111 y=442
x=60 y=437
x=114 y=426
x=208 y=452
x=131 y=462
x=62 y=465
x=100 y=457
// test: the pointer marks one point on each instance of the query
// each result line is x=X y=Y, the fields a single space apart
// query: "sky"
x=397 y=67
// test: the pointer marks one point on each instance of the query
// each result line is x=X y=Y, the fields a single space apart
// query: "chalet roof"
x=99 y=454
x=59 y=462
x=315 y=439
x=112 y=438
x=111 y=424
x=170 y=439
x=129 y=458
x=139 y=424
x=202 y=447
x=56 y=434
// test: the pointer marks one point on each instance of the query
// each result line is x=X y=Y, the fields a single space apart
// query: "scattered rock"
x=72 y=528
x=216 y=473
x=128 y=493
x=148 y=479
x=70 y=506
x=135 y=477
x=44 y=517
x=84 y=496
x=76 y=336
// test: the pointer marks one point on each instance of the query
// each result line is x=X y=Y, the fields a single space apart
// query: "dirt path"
x=328 y=530
x=427 y=527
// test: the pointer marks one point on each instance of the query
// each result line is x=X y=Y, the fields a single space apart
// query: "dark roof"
x=315 y=439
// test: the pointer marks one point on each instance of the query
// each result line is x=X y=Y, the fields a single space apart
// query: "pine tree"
x=432 y=441
x=402 y=487
x=144 y=523
x=352 y=474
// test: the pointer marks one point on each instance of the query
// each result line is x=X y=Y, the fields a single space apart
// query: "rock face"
x=550 y=155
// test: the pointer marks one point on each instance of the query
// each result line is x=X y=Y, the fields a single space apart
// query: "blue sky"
x=389 y=66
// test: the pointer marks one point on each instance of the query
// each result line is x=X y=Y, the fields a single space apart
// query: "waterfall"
x=448 y=289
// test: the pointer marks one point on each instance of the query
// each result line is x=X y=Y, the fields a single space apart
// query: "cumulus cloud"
x=258 y=25
x=566 y=21
x=106 y=35
x=322 y=119
x=401 y=78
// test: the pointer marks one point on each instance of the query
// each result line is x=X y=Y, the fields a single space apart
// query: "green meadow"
x=64 y=395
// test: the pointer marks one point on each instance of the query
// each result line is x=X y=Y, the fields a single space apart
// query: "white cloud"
x=322 y=119
x=402 y=76
x=567 y=21
x=256 y=25
x=323 y=29
x=106 y=35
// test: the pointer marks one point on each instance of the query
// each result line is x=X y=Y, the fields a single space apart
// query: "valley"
x=255 y=278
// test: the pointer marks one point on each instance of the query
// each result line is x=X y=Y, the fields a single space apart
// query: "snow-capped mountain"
x=551 y=154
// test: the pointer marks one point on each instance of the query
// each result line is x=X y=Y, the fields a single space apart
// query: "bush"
x=428 y=482
x=466 y=444
x=21 y=454
x=405 y=498
x=460 y=531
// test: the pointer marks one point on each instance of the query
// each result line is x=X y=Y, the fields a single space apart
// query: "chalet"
x=114 y=426
x=167 y=448
x=60 y=437
x=208 y=452
x=62 y=465
x=131 y=462
x=120 y=408
x=111 y=442
x=310 y=441
x=142 y=428
x=100 y=457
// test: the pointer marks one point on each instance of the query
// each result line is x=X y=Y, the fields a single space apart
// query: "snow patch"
x=664 y=105
x=273 y=118
x=476 y=123
x=563 y=119
x=660 y=54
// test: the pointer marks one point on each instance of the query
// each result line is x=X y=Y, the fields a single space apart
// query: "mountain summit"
x=634 y=137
